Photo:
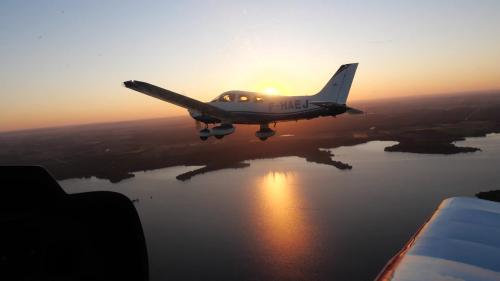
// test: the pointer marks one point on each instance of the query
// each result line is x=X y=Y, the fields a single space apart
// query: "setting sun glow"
x=271 y=91
x=59 y=69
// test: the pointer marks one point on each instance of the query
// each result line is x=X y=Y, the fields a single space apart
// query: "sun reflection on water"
x=283 y=229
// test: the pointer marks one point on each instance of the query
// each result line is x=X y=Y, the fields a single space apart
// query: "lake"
x=289 y=219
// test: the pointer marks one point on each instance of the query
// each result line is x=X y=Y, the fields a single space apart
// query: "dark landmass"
x=492 y=195
x=114 y=151
x=211 y=168
x=429 y=141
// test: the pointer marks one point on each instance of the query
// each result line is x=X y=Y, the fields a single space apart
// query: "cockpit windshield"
x=239 y=96
x=226 y=98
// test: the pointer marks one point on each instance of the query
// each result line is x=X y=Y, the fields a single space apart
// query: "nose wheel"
x=205 y=134
x=265 y=132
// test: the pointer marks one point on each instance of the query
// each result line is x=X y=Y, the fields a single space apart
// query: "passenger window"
x=259 y=99
x=243 y=98
x=227 y=98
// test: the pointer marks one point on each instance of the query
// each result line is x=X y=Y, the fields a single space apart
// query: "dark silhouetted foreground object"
x=46 y=234
x=492 y=195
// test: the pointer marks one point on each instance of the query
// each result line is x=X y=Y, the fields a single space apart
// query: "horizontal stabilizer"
x=332 y=105
x=354 y=111
x=177 y=99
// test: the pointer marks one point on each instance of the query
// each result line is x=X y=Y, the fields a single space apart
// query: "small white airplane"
x=241 y=107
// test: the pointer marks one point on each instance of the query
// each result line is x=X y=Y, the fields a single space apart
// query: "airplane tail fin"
x=337 y=89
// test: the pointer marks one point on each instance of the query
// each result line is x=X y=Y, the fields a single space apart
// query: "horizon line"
x=83 y=124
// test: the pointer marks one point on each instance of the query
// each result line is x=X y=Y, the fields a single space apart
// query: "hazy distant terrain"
x=114 y=151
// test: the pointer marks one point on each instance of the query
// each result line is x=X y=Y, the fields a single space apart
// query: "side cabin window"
x=243 y=98
x=227 y=98
x=259 y=99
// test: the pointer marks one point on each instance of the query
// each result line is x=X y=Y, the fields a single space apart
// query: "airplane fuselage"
x=242 y=107
x=254 y=108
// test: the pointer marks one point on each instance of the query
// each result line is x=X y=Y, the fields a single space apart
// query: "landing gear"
x=265 y=132
x=205 y=134
x=218 y=131
x=222 y=130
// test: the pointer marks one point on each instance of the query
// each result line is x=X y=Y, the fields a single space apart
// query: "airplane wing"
x=177 y=99
x=458 y=242
x=329 y=104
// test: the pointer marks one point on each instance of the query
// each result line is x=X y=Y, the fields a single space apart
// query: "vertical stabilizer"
x=337 y=89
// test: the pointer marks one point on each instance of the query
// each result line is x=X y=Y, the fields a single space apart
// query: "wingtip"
x=128 y=83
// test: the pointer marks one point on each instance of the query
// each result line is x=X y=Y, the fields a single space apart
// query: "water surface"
x=288 y=219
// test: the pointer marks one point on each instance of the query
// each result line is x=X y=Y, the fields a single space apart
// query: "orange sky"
x=61 y=68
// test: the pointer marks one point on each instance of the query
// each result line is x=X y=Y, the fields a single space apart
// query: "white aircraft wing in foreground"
x=461 y=241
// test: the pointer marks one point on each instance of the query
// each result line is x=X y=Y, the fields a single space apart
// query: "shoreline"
x=115 y=151
x=212 y=167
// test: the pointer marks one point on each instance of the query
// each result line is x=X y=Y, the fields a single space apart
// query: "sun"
x=271 y=91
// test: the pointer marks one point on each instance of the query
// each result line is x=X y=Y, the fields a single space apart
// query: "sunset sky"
x=63 y=62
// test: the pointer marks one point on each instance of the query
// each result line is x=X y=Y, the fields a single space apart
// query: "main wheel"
x=219 y=136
